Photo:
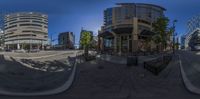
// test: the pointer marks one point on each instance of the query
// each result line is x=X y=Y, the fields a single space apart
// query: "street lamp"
x=174 y=35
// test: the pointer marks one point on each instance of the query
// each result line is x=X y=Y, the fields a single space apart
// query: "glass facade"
x=124 y=23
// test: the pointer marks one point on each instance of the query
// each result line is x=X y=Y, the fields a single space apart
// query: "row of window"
x=11 y=27
x=26 y=25
x=143 y=21
x=30 y=25
x=8 y=33
x=36 y=32
x=26 y=18
x=26 y=39
x=40 y=22
x=22 y=35
x=18 y=22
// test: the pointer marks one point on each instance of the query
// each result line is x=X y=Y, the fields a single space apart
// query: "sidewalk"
x=123 y=60
x=18 y=80
x=115 y=81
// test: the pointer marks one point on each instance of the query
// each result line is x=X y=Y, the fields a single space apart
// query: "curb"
x=111 y=59
x=43 y=56
x=187 y=82
x=58 y=90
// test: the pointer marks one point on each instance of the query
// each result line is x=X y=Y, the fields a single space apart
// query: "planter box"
x=157 y=65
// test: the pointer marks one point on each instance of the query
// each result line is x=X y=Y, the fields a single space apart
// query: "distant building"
x=182 y=42
x=81 y=35
x=26 y=30
x=1 y=39
x=94 y=42
x=66 y=40
x=192 y=37
x=127 y=25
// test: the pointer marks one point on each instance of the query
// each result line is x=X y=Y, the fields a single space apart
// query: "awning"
x=106 y=33
x=146 y=34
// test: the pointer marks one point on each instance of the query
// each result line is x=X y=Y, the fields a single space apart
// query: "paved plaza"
x=34 y=75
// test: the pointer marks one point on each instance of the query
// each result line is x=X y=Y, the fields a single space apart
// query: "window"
x=30 y=25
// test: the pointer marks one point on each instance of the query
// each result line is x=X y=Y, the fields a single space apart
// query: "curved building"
x=124 y=24
x=192 y=38
x=26 y=30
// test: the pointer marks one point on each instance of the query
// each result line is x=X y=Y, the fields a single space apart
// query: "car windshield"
x=99 y=49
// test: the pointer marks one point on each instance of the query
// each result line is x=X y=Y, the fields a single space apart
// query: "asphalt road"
x=17 y=78
x=191 y=65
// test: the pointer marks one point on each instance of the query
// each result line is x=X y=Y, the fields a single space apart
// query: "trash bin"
x=132 y=61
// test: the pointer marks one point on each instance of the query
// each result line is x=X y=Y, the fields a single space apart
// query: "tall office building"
x=66 y=40
x=26 y=30
x=125 y=23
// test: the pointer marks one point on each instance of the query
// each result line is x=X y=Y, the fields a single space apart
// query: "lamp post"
x=174 y=35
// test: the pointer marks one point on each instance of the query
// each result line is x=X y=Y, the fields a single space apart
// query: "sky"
x=72 y=15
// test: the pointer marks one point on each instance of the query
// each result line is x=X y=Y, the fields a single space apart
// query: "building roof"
x=122 y=4
x=15 y=13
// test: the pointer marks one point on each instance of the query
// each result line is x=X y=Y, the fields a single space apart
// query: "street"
x=191 y=65
x=34 y=75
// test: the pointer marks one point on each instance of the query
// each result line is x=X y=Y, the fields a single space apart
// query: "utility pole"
x=174 y=35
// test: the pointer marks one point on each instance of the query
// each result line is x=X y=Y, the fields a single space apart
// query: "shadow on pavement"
x=15 y=77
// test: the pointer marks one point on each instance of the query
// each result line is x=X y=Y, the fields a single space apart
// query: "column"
x=101 y=45
x=120 y=45
x=135 y=35
x=18 y=46
x=128 y=44
x=115 y=41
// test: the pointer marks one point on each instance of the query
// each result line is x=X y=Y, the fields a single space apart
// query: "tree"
x=160 y=27
x=85 y=41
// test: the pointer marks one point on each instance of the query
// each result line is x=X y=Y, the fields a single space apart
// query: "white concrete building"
x=26 y=30
x=192 y=37
x=1 y=39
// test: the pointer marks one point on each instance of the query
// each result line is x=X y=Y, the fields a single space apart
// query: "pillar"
x=101 y=45
x=18 y=46
x=128 y=44
x=135 y=35
x=115 y=41
x=30 y=46
x=120 y=45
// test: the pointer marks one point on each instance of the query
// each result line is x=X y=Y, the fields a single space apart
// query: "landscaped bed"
x=157 y=65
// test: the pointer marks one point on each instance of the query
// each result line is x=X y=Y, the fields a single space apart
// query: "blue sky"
x=71 y=15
